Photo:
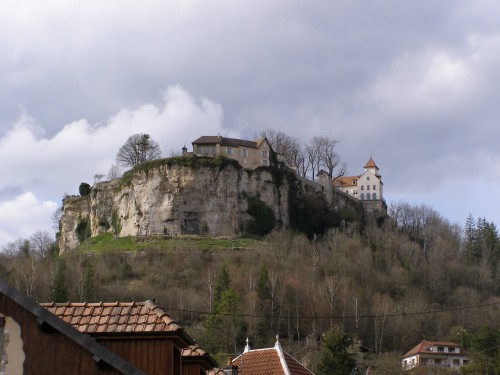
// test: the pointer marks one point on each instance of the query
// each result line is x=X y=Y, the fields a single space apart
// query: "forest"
x=415 y=276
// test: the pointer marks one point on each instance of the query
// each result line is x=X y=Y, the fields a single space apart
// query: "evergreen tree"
x=88 y=287
x=336 y=356
x=58 y=290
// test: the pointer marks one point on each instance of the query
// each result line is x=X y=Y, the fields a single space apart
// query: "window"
x=367 y=178
x=374 y=196
x=466 y=361
x=265 y=153
x=437 y=361
x=354 y=182
x=368 y=196
x=362 y=187
x=440 y=349
x=265 y=162
x=244 y=152
x=355 y=192
x=451 y=350
x=362 y=195
x=229 y=151
x=368 y=187
x=423 y=361
x=374 y=187
x=456 y=362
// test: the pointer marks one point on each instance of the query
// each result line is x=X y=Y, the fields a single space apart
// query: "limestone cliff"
x=207 y=196
x=172 y=199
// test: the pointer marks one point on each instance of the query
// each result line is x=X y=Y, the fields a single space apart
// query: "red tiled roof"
x=113 y=317
x=370 y=164
x=423 y=348
x=344 y=181
x=267 y=361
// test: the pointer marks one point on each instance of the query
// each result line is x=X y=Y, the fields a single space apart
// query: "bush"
x=84 y=189
x=82 y=230
x=263 y=215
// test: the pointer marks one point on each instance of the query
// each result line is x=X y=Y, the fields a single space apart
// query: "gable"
x=53 y=346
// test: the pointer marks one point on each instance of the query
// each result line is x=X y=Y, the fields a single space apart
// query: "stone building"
x=250 y=154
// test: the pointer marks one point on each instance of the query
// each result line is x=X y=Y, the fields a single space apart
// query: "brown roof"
x=424 y=348
x=267 y=361
x=370 y=164
x=114 y=317
x=345 y=181
x=231 y=142
x=193 y=351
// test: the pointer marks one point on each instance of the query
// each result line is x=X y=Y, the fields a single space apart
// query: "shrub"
x=82 y=230
x=84 y=189
x=263 y=216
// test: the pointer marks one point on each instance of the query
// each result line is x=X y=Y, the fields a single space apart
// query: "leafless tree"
x=114 y=172
x=313 y=151
x=330 y=158
x=40 y=244
x=138 y=149
x=289 y=147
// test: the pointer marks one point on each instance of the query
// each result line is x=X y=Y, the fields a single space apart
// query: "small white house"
x=439 y=354
x=367 y=186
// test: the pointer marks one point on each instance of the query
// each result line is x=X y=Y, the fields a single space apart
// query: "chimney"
x=230 y=369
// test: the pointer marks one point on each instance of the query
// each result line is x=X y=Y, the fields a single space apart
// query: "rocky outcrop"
x=172 y=199
x=207 y=196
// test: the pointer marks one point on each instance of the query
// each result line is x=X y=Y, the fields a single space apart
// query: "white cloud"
x=46 y=168
x=23 y=216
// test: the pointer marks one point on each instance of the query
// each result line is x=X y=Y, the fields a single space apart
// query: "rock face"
x=172 y=200
x=206 y=196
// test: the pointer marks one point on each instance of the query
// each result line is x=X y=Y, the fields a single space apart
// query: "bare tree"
x=329 y=157
x=288 y=147
x=138 y=149
x=114 y=172
x=313 y=151
x=41 y=243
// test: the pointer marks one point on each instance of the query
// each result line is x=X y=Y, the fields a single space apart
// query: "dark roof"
x=45 y=317
x=231 y=142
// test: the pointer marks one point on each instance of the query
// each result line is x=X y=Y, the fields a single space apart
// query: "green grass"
x=106 y=242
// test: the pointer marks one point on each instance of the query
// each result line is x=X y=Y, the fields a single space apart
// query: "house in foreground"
x=250 y=154
x=434 y=354
x=140 y=332
x=272 y=361
x=34 y=341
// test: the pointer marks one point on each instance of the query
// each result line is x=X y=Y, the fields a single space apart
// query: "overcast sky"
x=415 y=84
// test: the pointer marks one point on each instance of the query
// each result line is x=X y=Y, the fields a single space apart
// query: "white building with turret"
x=367 y=186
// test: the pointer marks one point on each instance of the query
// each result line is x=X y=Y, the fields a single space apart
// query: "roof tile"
x=114 y=316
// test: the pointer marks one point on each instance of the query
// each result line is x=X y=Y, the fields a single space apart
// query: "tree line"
x=414 y=277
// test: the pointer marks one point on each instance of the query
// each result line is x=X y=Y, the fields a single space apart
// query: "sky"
x=413 y=84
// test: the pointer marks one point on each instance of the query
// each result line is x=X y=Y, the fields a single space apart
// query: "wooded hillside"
x=415 y=277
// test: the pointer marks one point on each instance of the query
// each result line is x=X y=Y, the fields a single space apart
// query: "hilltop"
x=208 y=196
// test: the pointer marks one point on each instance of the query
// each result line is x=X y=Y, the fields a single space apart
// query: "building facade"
x=366 y=186
x=250 y=154
x=437 y=354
